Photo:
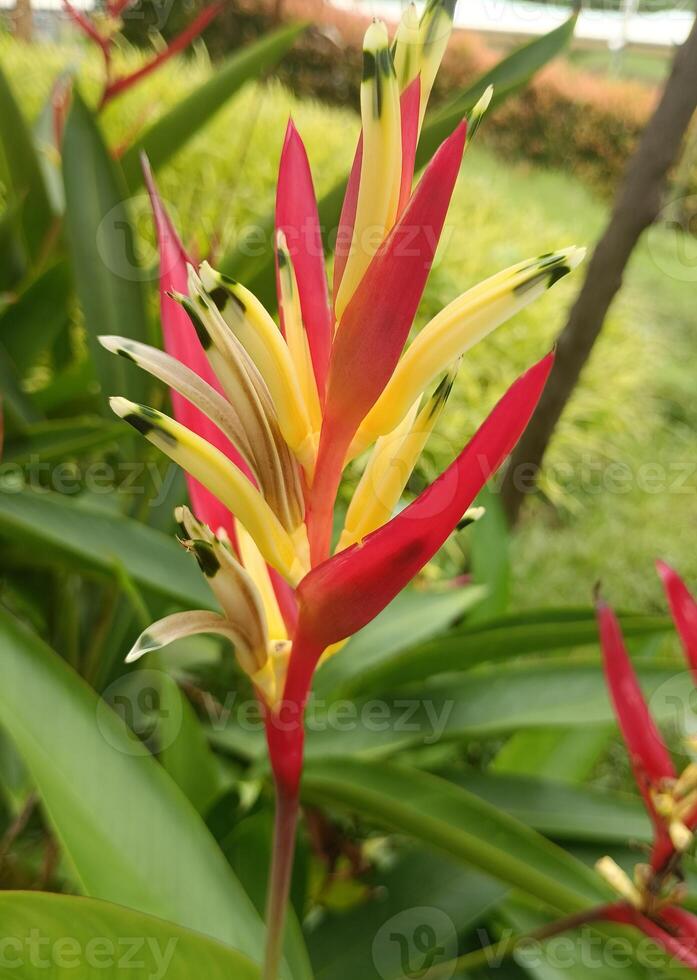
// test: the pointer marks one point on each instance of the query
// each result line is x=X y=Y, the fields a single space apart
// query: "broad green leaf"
x=508 y=76
x=534 y=631
x=566 y=756
x=90 y=939
x=29 y=326
x=451 y=820
x=171 y=133
x=489 y=555
x=64 y=530
x=253 y=265
x=108 y=278
x=413 y=617
x=577 y=813
x=482 y=703
x=421 y=892
x=127 y=830
x=27 y=188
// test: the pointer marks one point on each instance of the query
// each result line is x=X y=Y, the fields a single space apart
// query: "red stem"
x=287 y=807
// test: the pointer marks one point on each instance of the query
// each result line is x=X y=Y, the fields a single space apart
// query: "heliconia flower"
x=651 y=900
x=103 y=30
x=267 y=414
x=266 y=418
x=175 y=46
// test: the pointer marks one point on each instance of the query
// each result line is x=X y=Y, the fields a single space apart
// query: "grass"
x=634 y=412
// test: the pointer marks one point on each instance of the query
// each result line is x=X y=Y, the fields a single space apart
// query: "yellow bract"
x=381 y=167
x=228 y=483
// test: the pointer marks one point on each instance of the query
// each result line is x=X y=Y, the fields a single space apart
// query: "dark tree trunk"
x=638 y=203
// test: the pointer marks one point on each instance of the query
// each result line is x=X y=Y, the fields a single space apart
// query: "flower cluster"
x=266 y=418
x=651 y=900
x=102 y=29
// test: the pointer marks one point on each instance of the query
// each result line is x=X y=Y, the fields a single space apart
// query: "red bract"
x=344 y=593
x=297 y=218
x=181 y=342
x=175 y=46
x=650 y=758
x=373 y=329
x=410 y=104
x=652 y=899
x=114 y=87
x=683 y=608
x=674 y=930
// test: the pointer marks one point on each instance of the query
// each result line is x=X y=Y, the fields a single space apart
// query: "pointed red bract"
x=87 y=27
x=347 y=591
x=183 y=344
x=683 y=608
x=297 y=217
x=373 y=330
x=648 y=755
x=410 y=104
x=177 y=45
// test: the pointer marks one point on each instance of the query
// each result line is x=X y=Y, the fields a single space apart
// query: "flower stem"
x=287 y=807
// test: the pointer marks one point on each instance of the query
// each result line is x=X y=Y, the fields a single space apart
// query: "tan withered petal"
x=274 y=464
x=232 y=586
x=175 y=374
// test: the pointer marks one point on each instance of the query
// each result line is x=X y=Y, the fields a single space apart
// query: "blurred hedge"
x=567 y=119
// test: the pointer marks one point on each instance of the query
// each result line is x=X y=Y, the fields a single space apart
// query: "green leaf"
x=12 y=255
x=564 y=812
x=451 y=820
x=45 y=141
x=489 y=554
x=109 y=280
x=127 y=830
x=87 y=938
x=481 y=703
x=171 y=133
x=509 y=76
x=21 y=411
x=413 y=617
x=62 y=439
x=27 y=186
x=29 y=326
x=567 y=756
x=65 y=530
x=252 y=261
x=184 y=750
x=534 y=631
x=421 y=891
